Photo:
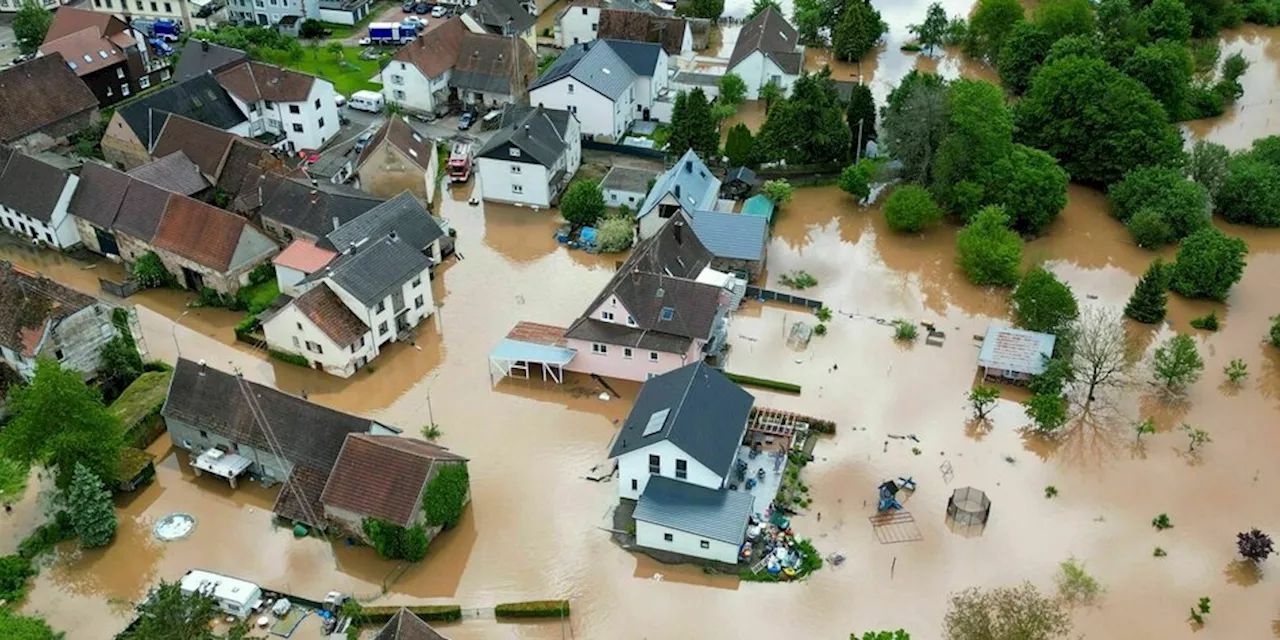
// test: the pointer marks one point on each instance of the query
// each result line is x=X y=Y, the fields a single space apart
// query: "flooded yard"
x=532 y=530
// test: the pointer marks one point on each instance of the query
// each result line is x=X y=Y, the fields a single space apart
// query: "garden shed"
x=758 y=205
x=1014 y=354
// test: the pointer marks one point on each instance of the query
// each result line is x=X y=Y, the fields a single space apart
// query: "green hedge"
x=248 y=325
x=291 y=358
x=822 y=426
x=765 y=383
x=429 y=612
x=47 y=535
x=533 y=609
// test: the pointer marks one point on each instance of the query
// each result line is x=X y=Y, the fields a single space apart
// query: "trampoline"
x=969 y=507
x=174 y=526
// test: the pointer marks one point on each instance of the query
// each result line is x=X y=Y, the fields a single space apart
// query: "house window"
x=167 y=8
x=320 y=123
x=299 y=325
x=682 y=469
x=296 y=343
x=398 y=94
x=635 y=485
x=418 y=302
x=138 y=4
x=655 y=463
x=164 y=75
x=98 y=3
x=667 y=313
x=593 y=26
x=153 y=8
x=397 y=78
x=514 y=152
x=144 y=82
x=382 y=306
x=110 y=91
x=124 y=89
x=314 y=347
x=626 y=352
x=417 y=282
x=382 y=328
x=599 y=348
x=668 y=537
x=293 y=108
x=704 y=544
x=58 y=354
x=515 y=168
x=573 y=109
x=584 y=11
x=515 y=188
x=653 y=356
x=607 y=315
x=204 y=434
x=120 y=73
x=317 y=103
x=570 y=88
x=297 y=127
x=631 y=321
x=358 y=345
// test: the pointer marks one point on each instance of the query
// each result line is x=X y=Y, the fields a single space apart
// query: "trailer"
x=392 y=33
x=167 y=30
x=459 y=161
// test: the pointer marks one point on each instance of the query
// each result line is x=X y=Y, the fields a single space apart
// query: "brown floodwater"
x=533 y=528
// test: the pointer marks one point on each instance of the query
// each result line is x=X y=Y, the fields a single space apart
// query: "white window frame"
x=599 y=349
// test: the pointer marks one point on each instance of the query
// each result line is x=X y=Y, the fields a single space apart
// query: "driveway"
x=447 y=127
x=393 y=13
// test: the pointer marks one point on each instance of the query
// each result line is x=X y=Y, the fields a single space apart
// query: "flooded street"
x=531 y=531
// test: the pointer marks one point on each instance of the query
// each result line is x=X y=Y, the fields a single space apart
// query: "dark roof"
x=290 y=202
x=642 y=57
x=209 y=236
x=593 y=330
x=536 y=131
x=30 y=186
x=741 y=174
x=324 y=308
x=309 y=482
x=39 y=93
x=205 y=145
x=141 y=210
x=594 y=64
x=399 y=134
x=333 y=159
x=307 y=434
x=253 y=81
x=696 y=79
x=99 y=193
x=28 y=302
x=200 y=57
x=402 y=215
x=770 y=33
x=242 y=165
x=493 y=64
x=706 y=415
x=404 y=625
x=715 y=514
x=201 y=99
x=175 y=172
x=383 y=477
x=628 y=179
x=731 y=235
x=375 y=269
x=436 y=51
x=499 y=15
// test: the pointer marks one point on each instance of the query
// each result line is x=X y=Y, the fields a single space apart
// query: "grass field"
x=348 y=73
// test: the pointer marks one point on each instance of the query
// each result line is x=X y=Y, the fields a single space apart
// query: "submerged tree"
x=1148 y=302
x=1209 y=263
x=934 y=28
x=1254 y=545
x=1196 y=436
x=989 y=253
x=1048 y=411
x=982 y=399
x=1144 y=426
x=858 y=31
x=861 y=116
x=583 y=203
x=89 y=504
x=1005 y=613
x=1100 y=357
x=1176 y=363
x=915 y=122
x=170 y=614
x=991 y=24
x=1043 y=303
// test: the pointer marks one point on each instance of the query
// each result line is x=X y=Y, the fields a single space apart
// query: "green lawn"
x=259 y=296
x=344 y=31
x=348 y=75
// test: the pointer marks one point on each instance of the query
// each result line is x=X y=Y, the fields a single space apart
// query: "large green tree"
x=991 y=24
x=858 y=31
x=169 y=614
x=88 y=503
x=1209 y=166
x=1035 y=191
x=709 y=9
x=1098 y=122
x=1044 y=303
x=692 y=126
x=16 y=627
x=1176 y=363
x=1149 y=300
x=1063 y=18
x=1119 y=30
x=60 y=421
x=1165 y=69
x=1166 y=20
x=1250 y=191
x=971 y=163
x=861 y=116
x=910 y=209
x=813 y=18
x=30 y=25
x=1023 y=52
x=583 y=203
x=931 y=32
x=1183 y=205
x=989 y=252
x=1082 y=46
x=915 y=122
x=733 y=89
x=1209 y=263
x=809 y=126
x=739 y=146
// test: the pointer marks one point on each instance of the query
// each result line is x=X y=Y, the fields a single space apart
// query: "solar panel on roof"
x=656 y=422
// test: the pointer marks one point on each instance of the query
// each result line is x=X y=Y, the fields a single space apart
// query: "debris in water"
x=657 y=577
x=604 y=395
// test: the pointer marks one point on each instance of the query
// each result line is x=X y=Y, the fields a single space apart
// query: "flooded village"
x=539 y=523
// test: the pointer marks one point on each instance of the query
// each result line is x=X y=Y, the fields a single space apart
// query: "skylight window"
x=88 y=58
x=668 y=313
x=606 y=71
x=71 y=64
x=102 y=53
x=656 y=422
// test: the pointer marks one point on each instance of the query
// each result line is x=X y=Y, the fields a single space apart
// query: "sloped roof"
x=201 y=99
x=383 y=477
x=289 y=201
x=141 y=210
x=731 y=235
x=210 y=236
x=200 y=57
x=689 y=177
x=399 y=134
x=628 y=179
x=99 y=193
x=327 y=311
x=305 y=256
x=498 y=15
x=39 y=93
x=69 y=20
x=493 y=64
x=205 y=145
x=407 y=626
x=244 y=162
x=30 y=186
x=536 y=131
x=642 y=57
x=1016 y=350
x=174 y=172
x=436 y=51
x=594 y=64
x=28 y=302
x=705 y=415
x=375 y=270
x=87 y=50
x=715 y=514
x=402 y=215
x=253 y=81
x=769 y=33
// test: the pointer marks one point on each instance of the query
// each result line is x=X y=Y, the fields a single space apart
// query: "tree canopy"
x=1149 y=300
x=1005 y=613
x=1035 y=190
x=1044 y=303
x=733 y=89
x=89 y=505
x=991 y=24
x=931 y=32
x=709 y=9
x=169 y=614
x=861 y=116
x=1182 y=205
x=31 y=25
x=739 y=146
x=760 y=6
x=858 y=31
x=989 y=253
x=809 y=126
x=583 y=203
x=1250 y=191
x=16 y=627
x=1062 y=18
x=1165 y=69
x=971 y=158
x=910 y=208
x=693 y=126
x=1209 y=263
x=1176 y=363
x=1166 y=20
x=915 y=122
x=1022 y=53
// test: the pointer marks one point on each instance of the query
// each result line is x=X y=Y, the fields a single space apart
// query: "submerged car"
x=468 y=119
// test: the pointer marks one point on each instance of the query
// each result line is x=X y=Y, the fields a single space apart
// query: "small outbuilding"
x=1014 y=355
x=758 y=205
x=626 y=186
x=692 y=519
x=738 y=183
x=737 y=241
x=233 y=596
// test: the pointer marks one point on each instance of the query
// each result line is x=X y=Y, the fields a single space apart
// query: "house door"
x=646 y=115
x=262 y=19
x=194 y=281
x=106 y=242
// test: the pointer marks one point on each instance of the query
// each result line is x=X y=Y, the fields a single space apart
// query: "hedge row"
x=291 y=358
x=533 y=609
x=765 y=383
x=428 y=612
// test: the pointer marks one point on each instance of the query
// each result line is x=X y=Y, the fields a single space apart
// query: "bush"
x=47 y=535
x=446 y=495
x=820 y=329
x=989 y=252
x=394 y=542
x=291 y=358
x=1075 y=585
x=429 y=612
x=1043 y=303
x=1148 y=229
x=798 y=280
x=910 y=209
x=1274 y=335
x=583 y=204
x=14 y=571
x=262 y=273
x=248 y=325
x=1182 y=205
x=533 y=609
x=150 y=272
x=1206 y=323
x=779 y=191
x=904 y=330
x=1161 y=522
x=823 y=314
x=615 y=235
x=1209 y=263
x=763 y=383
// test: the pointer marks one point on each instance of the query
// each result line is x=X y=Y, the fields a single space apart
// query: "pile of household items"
x=771 y=546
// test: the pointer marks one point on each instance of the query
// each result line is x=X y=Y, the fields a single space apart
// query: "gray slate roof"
x=594 y=64
x=402 y=215
x=200 y=57
x=731 y=235
x=715 y=514
x=375 y=270
x=201 y=99
x=698 y=187
x=99 y=194
x=175 y=172
x=628 y=179
x=708 y=415
x=641 y=57
x=770 y=34
x=289 y=202
x=537 y=131
x=1016 y=350
x=495 y=15
x=697 y=79
x=30 y=186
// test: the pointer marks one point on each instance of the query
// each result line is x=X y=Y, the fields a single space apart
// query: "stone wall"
x=80 y=337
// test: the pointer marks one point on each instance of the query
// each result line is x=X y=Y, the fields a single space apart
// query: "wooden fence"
x=767 y=295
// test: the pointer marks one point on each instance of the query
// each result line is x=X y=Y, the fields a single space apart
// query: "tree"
x=169 y=614
x=59 y=421
x=709 y=9
x=335 y=49
x=854 y=180
x=1250 y=191
x=1165 y=69
x=1166 y=20
x=808 y=127
x=1208 y=264
x=1035 y=191
x=1062 y=18
x=779 y=191
x=1254 y=545
x=760 y=6
x=991 y=24
x=14 y=571
x=988 y=252
x=89 y=504
x=149 y=272
x=615 y=234
x=1196 y=436
x=1273 y=336
x=772 y=94
x=30 y=25
x=811 y=18
x=1024 y=50
x=882 y=635
x=969 y=170
x=583 y=204
x=16 y=627
x=1100 y=353
x=1119 y=30
x=1148 y=302
x=446 y=495
x=861 y=116
x=1144 y=426
x=119 y=363
x=1005 y=613
x=1149 y=229
x=692 y=125
x=915 y=122
x=1082 y=46
x=858 y=31
x=1176 y=363
x=311 y=29
x=982 y=399
x=394 y=542
x=1098 y=122
x=1043 y=303
x=733 y=89
x=739 y=146
x=1183 y=205
x=1048 y=411
x=1075 y=585
x=934 y=28
x=910 y=209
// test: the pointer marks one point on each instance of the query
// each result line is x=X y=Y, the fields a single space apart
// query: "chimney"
x=336 y=224
x=204 y=45
x=526 y=130
x=679 y=231
x=315 y=196
x=393 y=236
x=202 y=367
x=314 y=183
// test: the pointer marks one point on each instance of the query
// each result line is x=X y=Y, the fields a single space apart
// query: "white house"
x=626 y=186
x=688 y=186
x=34 y=197
x=578 y=23
x=478 y=68
x=299 y=109
x=675 y=452
x=40 y=318
x=531 y=159
x=649 y=62
x=768 y=50
x=591 y=81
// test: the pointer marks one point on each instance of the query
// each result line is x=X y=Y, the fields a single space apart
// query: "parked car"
x=408 y=6
x=363 y=141
x=468 y=119
x=339 y=101
x=365 y=41
x=418 y=23
x=422 y=8
x=439 y=11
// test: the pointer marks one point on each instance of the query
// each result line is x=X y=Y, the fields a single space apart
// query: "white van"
x=371 y=101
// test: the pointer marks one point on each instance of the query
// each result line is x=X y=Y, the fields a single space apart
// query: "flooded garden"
x=535 y=528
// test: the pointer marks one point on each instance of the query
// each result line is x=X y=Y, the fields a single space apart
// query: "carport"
x=530 y=344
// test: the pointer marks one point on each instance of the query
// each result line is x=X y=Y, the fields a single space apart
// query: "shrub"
x=779 y=191
x=47 y=535
x=798 y=280
x=533 y=609
x=615 y=235
x=1181 y=204
x=291 y=358
x=248 y=325
x=583 y=204
x=1148 y=229
x=150 y=272
x=1050 y=491
x=1274 y=335
x=1159 y=553
x=910 y=209
x=1161 y=522
x=989 y=252
x=820 y=329
x=446 y=495
x=262 y=273
x=14 y=571
x=763 y=383
x=1206 y=323
x=1075 y=585
x=824 y=314
x=904 y=330
x=429 y=612
x=1236 y=371
x=1209 y=263
x=394 y=542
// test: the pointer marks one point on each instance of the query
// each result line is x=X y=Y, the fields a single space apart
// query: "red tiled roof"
x=383 y=476
x=205 y=145
x=28 y=302
x=253 y=81
x=199 y=232
x=87 y=49
x=68 y=20
x=436 y=51
x=324 y=308
x=543 y=334
x=305 y=256
x=40 y=93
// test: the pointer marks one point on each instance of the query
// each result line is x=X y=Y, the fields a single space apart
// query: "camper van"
x=235 y=597
x=371 y=101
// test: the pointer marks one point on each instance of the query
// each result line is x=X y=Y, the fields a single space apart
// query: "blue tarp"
x=758 y=205
x=587 y=235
